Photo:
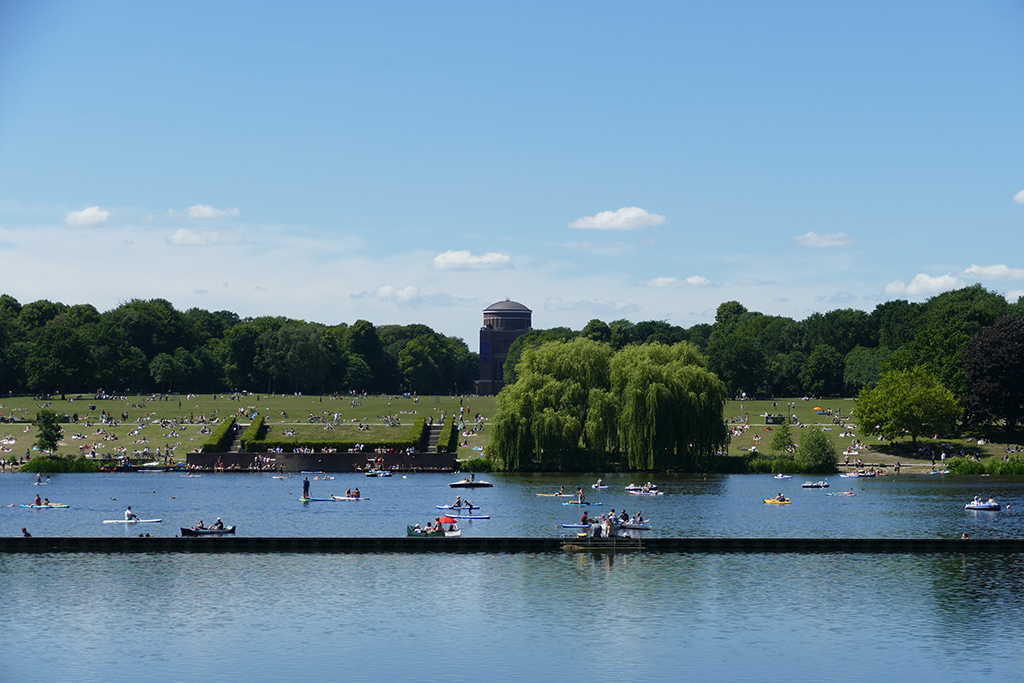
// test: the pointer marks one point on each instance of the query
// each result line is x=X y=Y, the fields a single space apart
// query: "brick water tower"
x=504 y=322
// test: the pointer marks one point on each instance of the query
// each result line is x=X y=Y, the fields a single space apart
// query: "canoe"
x=411 y=531
x=192 y=531
x=772 y=501
x=340 y=498
x=131 y=521
x=51 y=505
x=470 y=484
x=576 y=502
x=317 y=500
x=460 y=507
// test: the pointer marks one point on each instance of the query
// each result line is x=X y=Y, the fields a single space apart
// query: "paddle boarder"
x=305 y=487
x=38 y=500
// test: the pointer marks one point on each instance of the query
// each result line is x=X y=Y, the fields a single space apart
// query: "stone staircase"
x=435 y=436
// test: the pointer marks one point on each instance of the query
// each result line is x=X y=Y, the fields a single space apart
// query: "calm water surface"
x=511 y=617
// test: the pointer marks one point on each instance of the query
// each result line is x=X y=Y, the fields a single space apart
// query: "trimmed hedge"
x=449 y=439
x=221 y=437
x=418 y=436
x=256 y=431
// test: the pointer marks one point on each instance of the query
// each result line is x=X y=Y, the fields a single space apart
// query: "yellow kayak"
x=772 y=501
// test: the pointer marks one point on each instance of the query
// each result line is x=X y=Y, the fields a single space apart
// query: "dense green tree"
x=782 y=440
x=49 y=431
x=36 y=314
x=822 y=373
x=994 y=369
x=738 y=361
x=817 y=453
x=598 y=331
x=863 y=366
x=907 y=403
x=58 y=361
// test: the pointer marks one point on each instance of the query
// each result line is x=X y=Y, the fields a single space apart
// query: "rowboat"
x=131 y=521
x=414 y=531
x=772 y=501
x=341 y=498
x=192 y=531
x=46 y=507
x=470 y=484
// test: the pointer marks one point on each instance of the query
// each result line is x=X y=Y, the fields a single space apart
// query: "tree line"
x=147 y=345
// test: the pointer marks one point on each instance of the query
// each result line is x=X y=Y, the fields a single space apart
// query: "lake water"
x=603 y=617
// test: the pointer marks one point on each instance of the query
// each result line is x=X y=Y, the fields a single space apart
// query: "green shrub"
x=1012 y=467
x=965 y=466
x=60 y=463
x=477 y=465
x=220 y=439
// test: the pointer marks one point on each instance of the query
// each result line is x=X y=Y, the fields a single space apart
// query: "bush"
x=817 y=454
x=49 y=464
x=477 y=465
x=221 y=437
x=965 y=466
x=1012 y=467
x=770 y=465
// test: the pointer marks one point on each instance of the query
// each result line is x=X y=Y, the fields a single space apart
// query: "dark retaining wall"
x=325 y=462
x=406 y=544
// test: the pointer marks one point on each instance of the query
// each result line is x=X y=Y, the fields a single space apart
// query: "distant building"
x=504 y=322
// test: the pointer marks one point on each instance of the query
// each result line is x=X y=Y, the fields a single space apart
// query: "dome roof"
x=507 y=305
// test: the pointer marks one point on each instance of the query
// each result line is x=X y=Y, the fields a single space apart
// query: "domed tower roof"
x=507 y=305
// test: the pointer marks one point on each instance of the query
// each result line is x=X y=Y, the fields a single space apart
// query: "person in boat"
x=348 y=493
x=200 y=525
x=355 y=493
x=38 y=500
x=624 y=516
x=780 y=497
x=639 y=517
x=218 y=525
x=129 y=515
x=458 y=502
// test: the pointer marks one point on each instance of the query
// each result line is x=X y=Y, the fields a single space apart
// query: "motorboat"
x=783 y=476
x=979 y=504
x=815 y=485
x=470 y=484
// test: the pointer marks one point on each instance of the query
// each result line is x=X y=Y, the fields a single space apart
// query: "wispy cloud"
x=626 y=218
x=662 y=282
x=607 y=248
x=183 y=237
x=827 y=239
x=92 y=215
x=464 y=260
x=603 y=306
x=205 y=211
x=925 y=285
x=1019 y=197
x=996 y=272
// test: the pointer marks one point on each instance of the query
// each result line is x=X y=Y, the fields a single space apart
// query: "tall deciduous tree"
x=907 y=403
x=994 y=368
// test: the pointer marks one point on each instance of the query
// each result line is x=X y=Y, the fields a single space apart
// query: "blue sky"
x=414 y=162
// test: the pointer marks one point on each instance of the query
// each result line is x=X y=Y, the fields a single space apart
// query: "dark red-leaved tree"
x=993 y=362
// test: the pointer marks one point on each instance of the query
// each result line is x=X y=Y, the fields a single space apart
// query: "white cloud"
x=828 y=239
x=924 y=285
x=751 y=282
x=1014 y=294
x=626 y=218
x=205 y=211
x=410 y=297
x=1019 y=197
x=92 y=215
x=464 y=260
x=662 y=282
x=996 y=272
x=183 y=237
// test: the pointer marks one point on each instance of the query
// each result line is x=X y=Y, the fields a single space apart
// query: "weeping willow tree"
x=670 y=407
x=579 y=404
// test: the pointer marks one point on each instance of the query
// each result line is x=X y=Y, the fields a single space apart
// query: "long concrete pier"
x=404 y=544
